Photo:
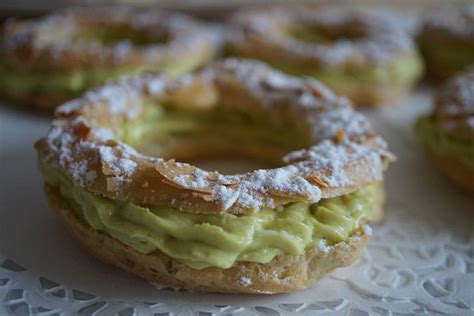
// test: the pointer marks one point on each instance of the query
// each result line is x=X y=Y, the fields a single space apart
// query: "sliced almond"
x=179 y=186
x=316 y=180
x=287 y=194
x=340 y=136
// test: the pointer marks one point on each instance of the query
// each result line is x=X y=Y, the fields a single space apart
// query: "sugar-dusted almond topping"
x=345 y=154
x=454 y=105
x=378 y=40
x=52 y=40
x=455 y=20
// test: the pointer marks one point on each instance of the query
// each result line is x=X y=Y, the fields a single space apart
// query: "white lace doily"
x=419 y=261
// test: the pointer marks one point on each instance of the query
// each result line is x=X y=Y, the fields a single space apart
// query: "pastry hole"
x=116 y=33
x=321 y=34
x=223 y=140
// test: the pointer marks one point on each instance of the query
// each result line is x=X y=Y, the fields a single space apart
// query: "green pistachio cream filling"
x=217 y=240
x=402 y=70
x=444 y=145
x=24 y=81
x=405 y=70
x=20 y=80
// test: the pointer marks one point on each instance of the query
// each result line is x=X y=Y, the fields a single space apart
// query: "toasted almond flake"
x=316 y=180
x=178 y=186
x=340 y=135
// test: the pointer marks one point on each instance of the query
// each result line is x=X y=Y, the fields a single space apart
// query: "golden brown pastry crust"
x=346 y=152
x=282 y=274
x=453 y=115
x=454 y=106
x=47 y=43
x=375 y=97
x=455 y=171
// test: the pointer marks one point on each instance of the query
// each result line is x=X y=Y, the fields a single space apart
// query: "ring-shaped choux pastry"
x=448 y=132
x=446 y=41
x=49 y=60
x=115 y=172
x=358 y=55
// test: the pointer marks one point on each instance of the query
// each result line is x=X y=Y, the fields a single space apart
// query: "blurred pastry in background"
x=115 y=172
x=446 y=40
x=448 y=132
x=361 y=56
x=48 y=60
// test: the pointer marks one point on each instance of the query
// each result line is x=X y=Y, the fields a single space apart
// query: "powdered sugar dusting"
x=182 y=35
x=197 y=180
x=253 y=190
x=326 y=124
x=278 y=181
x=455 y=104
x=102 y=134
x=76 y=155
x=226 y=196
x=367 y=230
x=245 y=281
x=61 y=145
x=69 y=107
x=458 y=95
x=121 y=96
x=454 y=20
x=118 y=166
x=323 y=246
x=81 y=173
x=327 y=161
x=343 y=140
x=379 y=40
x=274 y=88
